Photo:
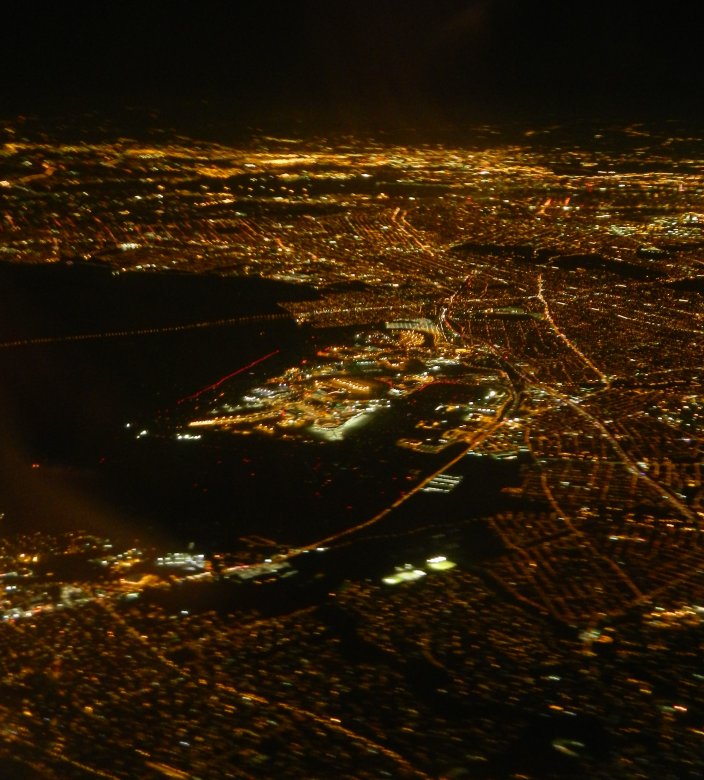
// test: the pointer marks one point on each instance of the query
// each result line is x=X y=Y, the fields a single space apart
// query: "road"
x=561 y=335
x=476 y=440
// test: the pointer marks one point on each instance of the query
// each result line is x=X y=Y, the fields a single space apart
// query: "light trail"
x=217 y=384
x=627 y=461
x=84 y=767
x=478 y=439
x=564 y=516
x=547 y=603
x=548 y=316
x=391 y=307
x=410 y=231
x=329 y=723
x=56 y=755
x=326 y=722
x=45 y=340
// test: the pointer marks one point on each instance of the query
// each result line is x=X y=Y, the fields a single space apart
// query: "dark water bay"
x=71 y=412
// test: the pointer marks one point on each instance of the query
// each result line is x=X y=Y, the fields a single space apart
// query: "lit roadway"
x=399 y=218
x=53 y=753
x=477 y=439
x=333 y=724
x=112 y=334
x=566 y=339
x=630 y=464
x=626 y=461
x=633 y=469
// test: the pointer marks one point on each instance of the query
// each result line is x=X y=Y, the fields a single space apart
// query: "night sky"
x=389 y=60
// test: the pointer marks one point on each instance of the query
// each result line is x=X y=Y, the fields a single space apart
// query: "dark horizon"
x=388 y=64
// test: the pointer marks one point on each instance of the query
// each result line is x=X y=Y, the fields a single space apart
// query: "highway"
x=548 y=316
x=477 y=439
x=113 y=334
